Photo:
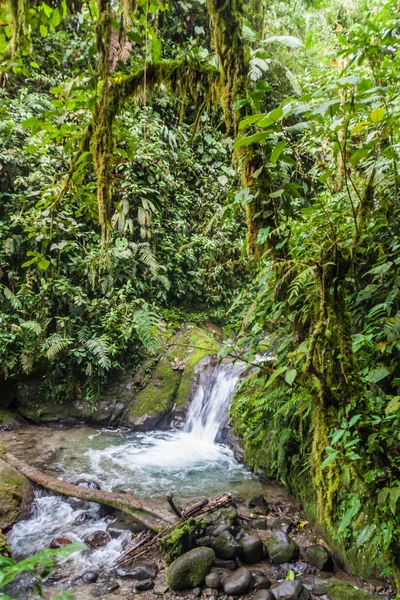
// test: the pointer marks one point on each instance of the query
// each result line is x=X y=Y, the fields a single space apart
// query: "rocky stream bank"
x=261 y=548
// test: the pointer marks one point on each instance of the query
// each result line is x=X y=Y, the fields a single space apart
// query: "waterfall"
x=209 y=408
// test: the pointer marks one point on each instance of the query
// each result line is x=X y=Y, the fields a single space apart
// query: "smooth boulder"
x=292 y=590
x=213 y=581
x=225 y=546
x=141 y=571
x=264 y=595
x=190 y=569
x=260 y=581
x=319 y=556
x=252 y=549
x=238 y=582
x=97 y=539
x=281 y=548
x=16 y=496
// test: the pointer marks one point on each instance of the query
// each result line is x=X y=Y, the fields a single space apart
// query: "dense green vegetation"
x=237 y=164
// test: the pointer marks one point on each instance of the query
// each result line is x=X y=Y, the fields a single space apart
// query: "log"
x=151 y=516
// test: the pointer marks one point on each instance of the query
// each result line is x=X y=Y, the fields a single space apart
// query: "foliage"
x=41 y=563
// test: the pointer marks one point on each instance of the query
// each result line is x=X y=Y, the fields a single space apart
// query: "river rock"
x=220 y=529
x=252 y=547
x=24 y=585
x=87 y=483
x=59 y=542
x=319 y=556
x=238 y=582
x=145 y=585
x=90 y=576
x=292 y=590
x=264 y=595
x=258 y=500
x=97 y=539
x=213 y=581
x=226 y=516
x=260 y=581
x=141 y=571
x=220 y=563
x=259 y=524
x=190 y=569
x=225 y=546
x=283 y=523
x=16 y=496
x=281 y=548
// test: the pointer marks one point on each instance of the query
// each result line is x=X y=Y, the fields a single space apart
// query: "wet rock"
x=213 y=598
x=226 y=516
x=213 y=581
x=264 y=595
x=108 y=588
x=145 y=585
x=259 y=524
x=220 y=529
x=319 y=556
x=16 y=496
x=210 y=530
x=261 y=510
x=281 y=548
x=90 y=577
x=225 y=564
x=260 y=581
x=197 y=592
x=87 y=483
x=122 y=524
x=258 y=500
x=337 y=589
x=25 y=585
x=284 y=524
x=82 y=518
x=238 y=582
x=190 y=569
x=225 y=546
x=292 y=590
x=59 y=542
x=97 y=539
x=139 y=570
x=252 y=547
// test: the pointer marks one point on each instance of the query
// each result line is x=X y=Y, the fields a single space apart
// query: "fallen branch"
x=151 y=516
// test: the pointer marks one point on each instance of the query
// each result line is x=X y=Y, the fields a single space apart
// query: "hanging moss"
x=180 y=540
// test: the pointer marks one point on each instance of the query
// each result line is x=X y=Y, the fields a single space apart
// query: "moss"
x=158 y=396
x=191 y=569
x=180 y=540
x=7 y=417
x=15 y=491
x=337 y=589
x=5 y=549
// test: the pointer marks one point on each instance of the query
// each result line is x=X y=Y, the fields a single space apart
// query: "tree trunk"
x=150 y=515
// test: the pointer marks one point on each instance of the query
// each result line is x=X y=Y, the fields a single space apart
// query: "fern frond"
x=100 y=349
x=147 y=257
x=32 y=327
x=149 y=328
x=55 y=344
x=27 y=362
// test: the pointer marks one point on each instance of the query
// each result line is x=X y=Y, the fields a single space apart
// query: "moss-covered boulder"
x=190 y=569
x=16 y=496
x=10 y=419
x=164 y=384
x=337 y=589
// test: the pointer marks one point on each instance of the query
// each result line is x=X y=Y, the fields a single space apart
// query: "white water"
x=188 y=462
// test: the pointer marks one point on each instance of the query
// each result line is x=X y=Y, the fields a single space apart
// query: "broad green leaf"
x=277 y=151
x=290 y=376
x=377 y=375
x=252 y=139
x=329 y=459
x=43 y=30
x=393 y=406
x=337 y=435
x=250 y=120
x=349 y=515
x=359 y=155
x=377 y=115
x=276 y=374
x=365 y=534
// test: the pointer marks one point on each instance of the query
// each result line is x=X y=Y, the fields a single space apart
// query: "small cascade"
x=208 y=412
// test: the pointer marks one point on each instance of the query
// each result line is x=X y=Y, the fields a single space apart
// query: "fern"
x=55 y=344
x=27 y=362
x=101 y=350
x=14 y=301
x=147 y=257
x=286 y=40
x=32 y=327
x=149 y=328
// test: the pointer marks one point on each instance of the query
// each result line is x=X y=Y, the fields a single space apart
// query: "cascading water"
x=189 y=462
x=209 y=407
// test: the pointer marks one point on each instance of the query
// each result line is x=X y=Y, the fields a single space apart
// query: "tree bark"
x=151 y=516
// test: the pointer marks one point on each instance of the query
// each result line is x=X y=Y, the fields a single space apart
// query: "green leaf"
x=43 y=264
x=377 y=115
x=277 y=151
x=359 y=155
x=393 y=406
x=290 y=376
x=349 y=515
x=365 y=534
x=250 y=120
x=43 y=30
x=377 y=375
x=330 y=458
x=337 y=435
x=275 y=374
x=252 y=139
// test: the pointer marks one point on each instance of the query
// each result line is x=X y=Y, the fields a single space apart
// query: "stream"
x=190 y=462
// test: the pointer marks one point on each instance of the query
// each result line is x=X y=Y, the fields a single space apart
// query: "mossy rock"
x=5 y=548
x=337 y=589
x=190 y=569
x=10 y=419
x=167 y=384
x=16 y=496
